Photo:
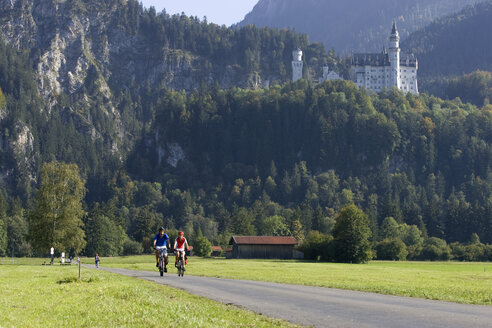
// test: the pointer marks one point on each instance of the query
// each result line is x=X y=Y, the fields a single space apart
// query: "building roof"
x=216 y=249
x=262 y=240
x=408 y=60
x=394 y=30
x=382 y=59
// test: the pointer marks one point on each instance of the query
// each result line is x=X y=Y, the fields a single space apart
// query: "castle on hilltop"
x=374 y=72
x=387 y=69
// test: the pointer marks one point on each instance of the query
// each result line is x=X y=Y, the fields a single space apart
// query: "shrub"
x=25 y=250
x=435 y=249
x=131 y=247
x=202 y=246
x=472 y=252
x=315 y=246
x=391 y=249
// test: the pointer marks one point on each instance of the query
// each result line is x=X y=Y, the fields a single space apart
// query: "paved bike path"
x=325 y=307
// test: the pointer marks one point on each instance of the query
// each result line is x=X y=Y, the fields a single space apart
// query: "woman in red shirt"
x=179 y=246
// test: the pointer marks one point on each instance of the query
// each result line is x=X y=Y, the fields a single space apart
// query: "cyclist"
x=161 y=242
x=179 y=247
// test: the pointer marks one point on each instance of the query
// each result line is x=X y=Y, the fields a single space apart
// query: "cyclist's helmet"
x=181 y=233
x=161 y=229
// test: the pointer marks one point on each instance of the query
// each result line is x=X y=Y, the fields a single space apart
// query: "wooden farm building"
x=262 y=247
x=216 y=251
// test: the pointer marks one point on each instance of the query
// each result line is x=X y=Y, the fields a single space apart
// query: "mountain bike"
x=161 y=251
x=181 y=264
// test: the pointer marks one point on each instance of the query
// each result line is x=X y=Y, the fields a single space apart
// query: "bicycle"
x=161 y=250
x=181 y=264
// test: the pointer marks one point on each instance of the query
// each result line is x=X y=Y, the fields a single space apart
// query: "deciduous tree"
x=56 y=219
x=351 y=236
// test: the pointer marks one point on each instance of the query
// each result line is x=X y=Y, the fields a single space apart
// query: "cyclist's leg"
x=157 y=258
x=184 y=261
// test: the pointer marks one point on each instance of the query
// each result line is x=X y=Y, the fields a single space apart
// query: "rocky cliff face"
x=68 y=37
x=76 y=42
x=102 y=69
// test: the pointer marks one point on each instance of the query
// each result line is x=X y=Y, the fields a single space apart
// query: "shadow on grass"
x=70 y=280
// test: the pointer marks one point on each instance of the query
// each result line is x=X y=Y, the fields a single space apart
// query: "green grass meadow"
x=461 y=282
x=33 y=295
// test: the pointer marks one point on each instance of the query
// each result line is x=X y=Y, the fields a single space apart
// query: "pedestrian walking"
x=96 y=259
x=52 y=254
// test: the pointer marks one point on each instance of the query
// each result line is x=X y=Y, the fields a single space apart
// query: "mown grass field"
x=448 y=281
x=33 y=295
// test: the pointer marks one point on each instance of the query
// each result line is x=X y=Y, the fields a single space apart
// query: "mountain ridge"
x=350 y=26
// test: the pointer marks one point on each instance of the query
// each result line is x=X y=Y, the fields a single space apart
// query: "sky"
x=220 y=12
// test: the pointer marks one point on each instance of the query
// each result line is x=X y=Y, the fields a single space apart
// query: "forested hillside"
x=94 y=71
x=215 y=158
x=351 y=25
x=452 y=46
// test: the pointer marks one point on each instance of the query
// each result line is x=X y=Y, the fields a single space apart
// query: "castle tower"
x=394 y=57
x=296 y=65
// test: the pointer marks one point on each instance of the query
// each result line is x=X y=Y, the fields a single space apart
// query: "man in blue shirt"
x=161 y=242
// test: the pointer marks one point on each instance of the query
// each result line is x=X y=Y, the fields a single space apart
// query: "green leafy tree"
x=3 y=226
x=390 y=229
x=351 y=236
x=56 y=219
x=274 y=226
x=201 y=245
x=435 y=249
x=391 y=249
x=103 y=236
x=297 y=230
x=17 y=229
x=315 y=245
x=131 y=247
x=243 y=223
x=3 y=237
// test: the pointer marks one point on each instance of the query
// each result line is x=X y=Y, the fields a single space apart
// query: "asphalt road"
x=325 y=307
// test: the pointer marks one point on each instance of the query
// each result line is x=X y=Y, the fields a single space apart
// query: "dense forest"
x=452 y=46
x=215 y=161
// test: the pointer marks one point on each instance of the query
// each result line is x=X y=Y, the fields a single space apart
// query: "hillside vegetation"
x=351 y=25
x=452 y=46
x=215 y=159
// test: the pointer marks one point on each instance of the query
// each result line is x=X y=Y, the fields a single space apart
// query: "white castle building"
x=329 y=75
x=297 y=65
x=374 y=72
x=387 y=69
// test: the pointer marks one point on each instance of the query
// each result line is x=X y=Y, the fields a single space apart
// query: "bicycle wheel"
x=161 y=266
x=181 y=268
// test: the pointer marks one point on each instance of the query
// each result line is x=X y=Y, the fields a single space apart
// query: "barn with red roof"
x=263 y=247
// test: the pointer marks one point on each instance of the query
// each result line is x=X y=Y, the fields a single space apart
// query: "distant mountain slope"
x=454 y=45
x=351 y=25
x=98 y=71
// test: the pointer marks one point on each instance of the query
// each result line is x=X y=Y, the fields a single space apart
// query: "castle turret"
x=394 y=57
x=297 y=65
